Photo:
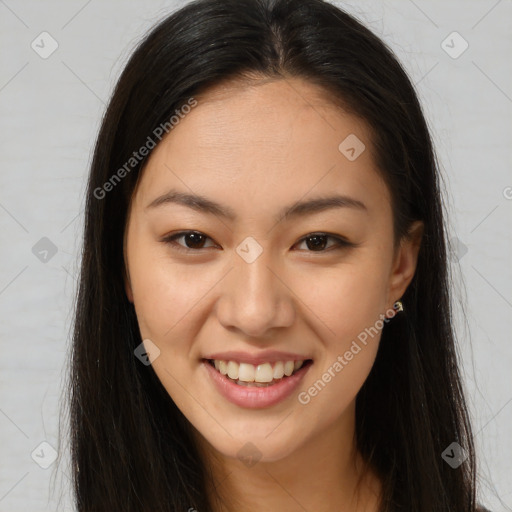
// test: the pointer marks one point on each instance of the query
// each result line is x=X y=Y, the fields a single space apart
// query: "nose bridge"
x=254 y=299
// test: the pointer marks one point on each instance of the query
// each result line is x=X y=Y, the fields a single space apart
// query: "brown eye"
x=194 y=240
x=317 y=242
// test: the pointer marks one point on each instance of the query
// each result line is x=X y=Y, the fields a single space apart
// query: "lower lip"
x=255 y=397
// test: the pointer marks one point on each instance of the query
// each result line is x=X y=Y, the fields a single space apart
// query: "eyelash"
x=170 y=240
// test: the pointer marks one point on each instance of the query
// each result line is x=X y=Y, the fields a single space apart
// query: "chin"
x=251 y=446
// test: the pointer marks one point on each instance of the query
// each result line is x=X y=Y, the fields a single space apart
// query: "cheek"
x=348 y=303
x=346 y=299
x=165 y=295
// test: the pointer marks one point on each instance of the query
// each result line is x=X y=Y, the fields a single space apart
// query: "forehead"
x=267 y=141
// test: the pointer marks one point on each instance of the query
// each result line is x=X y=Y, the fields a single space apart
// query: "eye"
x=194 y=240
x=318 y=242
x=315 y=242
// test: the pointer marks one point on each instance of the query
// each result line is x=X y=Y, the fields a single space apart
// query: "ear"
x=404 y=264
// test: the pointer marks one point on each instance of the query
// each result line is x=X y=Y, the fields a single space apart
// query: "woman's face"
x=254 y=286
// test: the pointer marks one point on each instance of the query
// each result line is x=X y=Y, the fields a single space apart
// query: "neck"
x=326 y=473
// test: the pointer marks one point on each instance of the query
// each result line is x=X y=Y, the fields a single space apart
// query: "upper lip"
x=266 y=356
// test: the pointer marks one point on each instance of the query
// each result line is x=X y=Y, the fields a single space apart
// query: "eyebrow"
x=300 y=209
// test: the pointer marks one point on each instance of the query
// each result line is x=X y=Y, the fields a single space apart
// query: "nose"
x=255 y=298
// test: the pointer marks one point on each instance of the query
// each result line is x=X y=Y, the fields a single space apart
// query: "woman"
x=263 y=320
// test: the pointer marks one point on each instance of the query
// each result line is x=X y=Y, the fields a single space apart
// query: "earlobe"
x=405 y=262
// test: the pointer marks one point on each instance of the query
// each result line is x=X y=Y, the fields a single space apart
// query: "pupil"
x=316 y=244
x=195 y=238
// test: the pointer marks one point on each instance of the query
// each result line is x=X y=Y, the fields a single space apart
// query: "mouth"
x=262 y=375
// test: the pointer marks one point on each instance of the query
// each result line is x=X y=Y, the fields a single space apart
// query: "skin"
x=256 y=149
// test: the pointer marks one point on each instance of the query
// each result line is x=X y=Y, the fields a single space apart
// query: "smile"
x=261 y=375
x=254 y=386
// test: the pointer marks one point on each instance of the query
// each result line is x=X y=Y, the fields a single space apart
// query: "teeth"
x=223 y=367
x=233 y=370
x=279 y=370
x=260 y=374
x=288 y=368
x=264 y=373
x=246 y=372
x=255 y=384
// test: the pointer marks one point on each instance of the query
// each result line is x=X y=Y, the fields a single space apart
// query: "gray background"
x=50 y=113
